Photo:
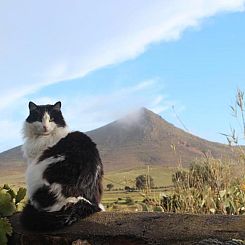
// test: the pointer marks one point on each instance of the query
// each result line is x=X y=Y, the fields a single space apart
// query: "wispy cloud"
x=92 y=111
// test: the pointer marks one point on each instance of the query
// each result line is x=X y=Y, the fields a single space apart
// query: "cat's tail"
x=39 y=220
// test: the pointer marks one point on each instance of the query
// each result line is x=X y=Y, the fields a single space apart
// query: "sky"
x=182 y=59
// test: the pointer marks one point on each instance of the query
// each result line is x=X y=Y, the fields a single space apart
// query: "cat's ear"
x=57 y=106
x=32 y=106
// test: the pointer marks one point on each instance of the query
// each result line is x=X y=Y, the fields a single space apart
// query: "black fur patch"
x=38 y=220
x=44 y=197
x=80 y=173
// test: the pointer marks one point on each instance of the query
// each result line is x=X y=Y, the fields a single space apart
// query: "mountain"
x=140 y=138
x=146 y=138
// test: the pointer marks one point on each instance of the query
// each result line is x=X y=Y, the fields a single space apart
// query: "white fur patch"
x=84 y=199
x=34 y=174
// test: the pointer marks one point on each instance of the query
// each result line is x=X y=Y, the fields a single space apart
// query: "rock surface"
x=137 y=228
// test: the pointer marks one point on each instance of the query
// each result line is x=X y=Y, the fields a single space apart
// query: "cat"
x=64 y=171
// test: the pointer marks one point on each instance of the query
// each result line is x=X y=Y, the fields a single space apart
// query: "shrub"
x=145 y=207
x=144 y=182
x=208 y=187
x=10 y=202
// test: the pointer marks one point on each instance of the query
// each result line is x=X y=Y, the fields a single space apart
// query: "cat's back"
x=77 y=137
x=75 y=144
x=76 y=141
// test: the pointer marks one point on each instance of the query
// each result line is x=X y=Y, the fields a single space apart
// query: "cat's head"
x=43 y=120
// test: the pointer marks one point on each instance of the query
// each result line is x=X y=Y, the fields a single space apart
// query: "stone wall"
x=137 y=228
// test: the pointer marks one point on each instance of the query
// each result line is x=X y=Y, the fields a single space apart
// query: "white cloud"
x=50 y=41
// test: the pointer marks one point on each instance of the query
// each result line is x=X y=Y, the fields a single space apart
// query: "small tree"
x=144 y=181
x=109 y=186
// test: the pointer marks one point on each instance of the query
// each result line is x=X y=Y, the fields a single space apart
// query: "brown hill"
x=138 y=139
x=145 y=138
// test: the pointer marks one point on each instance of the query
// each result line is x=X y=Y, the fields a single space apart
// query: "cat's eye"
x=51 y=119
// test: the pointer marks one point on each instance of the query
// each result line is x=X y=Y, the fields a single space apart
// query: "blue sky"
x=103 y=60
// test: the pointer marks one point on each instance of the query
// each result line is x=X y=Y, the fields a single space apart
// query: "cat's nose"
x=45 y=128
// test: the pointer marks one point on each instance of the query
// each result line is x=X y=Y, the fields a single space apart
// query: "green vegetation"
x=162 y=176
x=209 y=186
x=10 y=202
x=126 y=187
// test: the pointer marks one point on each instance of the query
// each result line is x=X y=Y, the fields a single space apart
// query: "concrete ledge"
x=136 y=228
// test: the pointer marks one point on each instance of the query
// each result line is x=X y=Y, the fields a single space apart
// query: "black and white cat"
x=64 y=173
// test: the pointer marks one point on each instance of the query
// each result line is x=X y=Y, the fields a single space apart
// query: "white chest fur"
x=34 y=146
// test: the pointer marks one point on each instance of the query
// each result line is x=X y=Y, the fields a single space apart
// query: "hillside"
x=138 y=139
x=146 y=138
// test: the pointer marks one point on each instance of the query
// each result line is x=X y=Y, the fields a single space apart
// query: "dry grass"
x=208 y=187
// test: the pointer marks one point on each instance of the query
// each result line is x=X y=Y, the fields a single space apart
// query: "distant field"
x=120 y=179
x=138 y=196
x=162 y=176
x=13 y=177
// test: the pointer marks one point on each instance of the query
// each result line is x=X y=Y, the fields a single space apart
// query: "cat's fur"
x=64 y=172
